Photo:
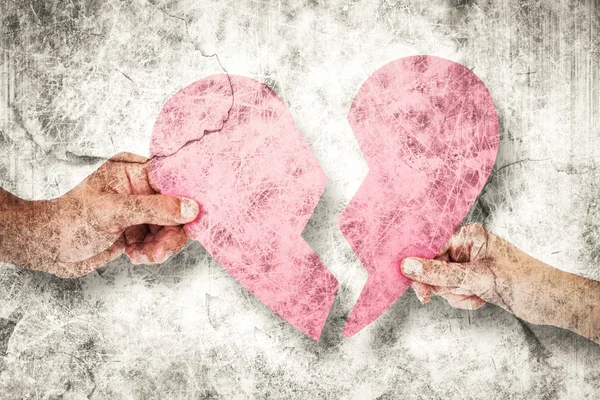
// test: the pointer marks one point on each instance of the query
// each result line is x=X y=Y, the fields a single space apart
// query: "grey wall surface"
x=82 y=80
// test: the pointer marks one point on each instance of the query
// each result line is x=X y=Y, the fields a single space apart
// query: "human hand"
x=114 y=210
x=476 y=267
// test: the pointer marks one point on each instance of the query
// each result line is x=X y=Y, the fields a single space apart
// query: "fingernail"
x=189 y=208
x=143 y=259
x=411 y=266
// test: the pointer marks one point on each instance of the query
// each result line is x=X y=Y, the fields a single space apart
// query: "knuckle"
x=120 y=155
x=125 y=156
x=476 y=229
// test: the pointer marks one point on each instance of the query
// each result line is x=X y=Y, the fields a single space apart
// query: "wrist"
x=584 y=302
x=568 y=301
x=19 y=230
x=536 y=291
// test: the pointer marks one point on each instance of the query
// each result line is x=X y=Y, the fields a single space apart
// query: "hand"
x=476 y=267
x=114 y=210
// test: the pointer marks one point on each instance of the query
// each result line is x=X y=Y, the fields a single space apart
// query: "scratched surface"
x=82 y=80
x=428 y=130
x=230 y=143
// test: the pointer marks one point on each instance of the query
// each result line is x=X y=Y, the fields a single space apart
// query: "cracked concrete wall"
x=82 y=80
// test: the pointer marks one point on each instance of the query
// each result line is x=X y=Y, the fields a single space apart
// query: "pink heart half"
x=230 y=143
x=428 y=129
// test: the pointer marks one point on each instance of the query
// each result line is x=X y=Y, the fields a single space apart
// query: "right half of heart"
x=428 y=129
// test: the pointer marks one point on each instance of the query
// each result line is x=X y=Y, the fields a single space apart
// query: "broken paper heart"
x=230 y=143
x=428 y=129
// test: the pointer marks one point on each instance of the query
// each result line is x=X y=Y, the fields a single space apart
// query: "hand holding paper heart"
x=112 y=211
x=429 y=131
x=426 y=125
x=476 y=266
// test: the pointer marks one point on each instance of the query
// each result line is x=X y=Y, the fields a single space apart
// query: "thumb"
x=152 y=209
x=469 y=275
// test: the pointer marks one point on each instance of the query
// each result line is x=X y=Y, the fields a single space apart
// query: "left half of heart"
x=230 y=143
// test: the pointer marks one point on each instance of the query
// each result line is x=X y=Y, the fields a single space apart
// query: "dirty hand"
x=116 y=209
x=476 y=267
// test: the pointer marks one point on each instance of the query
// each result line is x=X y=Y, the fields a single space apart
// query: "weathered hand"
x=114 y=210
x=476 y=267
x=469 y=244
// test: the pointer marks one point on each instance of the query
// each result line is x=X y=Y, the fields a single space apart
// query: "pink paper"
x=250 y=168
x=429 y=132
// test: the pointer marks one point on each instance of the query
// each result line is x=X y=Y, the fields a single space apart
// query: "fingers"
x=461 y=291
x=464 y=302
x=458 y=283
x=81 y=268
x=433 y=272
x=459 y=273
x=157 y=247
x=440 y=273
x=136 y=234
x=126 y=211
x=456 y=297
x=468 y=243
x=128 y=158
x=422 y=291
x=474 y=277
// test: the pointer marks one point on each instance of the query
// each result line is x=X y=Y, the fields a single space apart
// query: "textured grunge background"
x=82 y=80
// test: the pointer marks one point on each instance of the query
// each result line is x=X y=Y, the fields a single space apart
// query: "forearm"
x=582 y=306
x=10 y=214
x=567 y=301
x=542 y=294
x=19 y=230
